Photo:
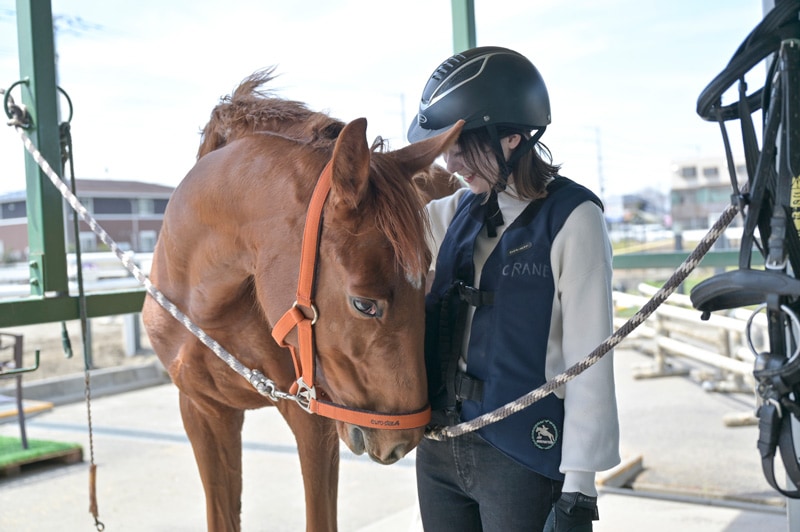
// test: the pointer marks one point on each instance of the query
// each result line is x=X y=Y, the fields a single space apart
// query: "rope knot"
x=18 y=114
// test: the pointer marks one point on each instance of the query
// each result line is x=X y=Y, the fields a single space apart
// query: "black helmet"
x=485 y=86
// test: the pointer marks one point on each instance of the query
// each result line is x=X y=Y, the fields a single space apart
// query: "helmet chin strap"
x=506 y=166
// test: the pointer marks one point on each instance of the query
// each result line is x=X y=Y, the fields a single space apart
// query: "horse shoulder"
x=232 y=223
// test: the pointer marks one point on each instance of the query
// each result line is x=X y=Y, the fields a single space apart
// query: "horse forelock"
x=398 y=211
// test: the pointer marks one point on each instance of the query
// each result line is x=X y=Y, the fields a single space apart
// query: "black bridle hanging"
x=771 y=204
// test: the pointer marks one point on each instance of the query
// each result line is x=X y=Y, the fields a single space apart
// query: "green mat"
x=12 y=453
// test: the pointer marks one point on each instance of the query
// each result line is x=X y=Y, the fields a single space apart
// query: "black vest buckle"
x=468 y=388
x=473 y=296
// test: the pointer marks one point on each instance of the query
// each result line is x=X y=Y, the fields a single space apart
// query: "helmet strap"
x=506 y=166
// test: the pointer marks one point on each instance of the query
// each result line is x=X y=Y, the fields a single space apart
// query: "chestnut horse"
x=229 y=256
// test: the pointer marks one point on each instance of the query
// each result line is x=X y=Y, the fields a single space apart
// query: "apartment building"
x=131 y=212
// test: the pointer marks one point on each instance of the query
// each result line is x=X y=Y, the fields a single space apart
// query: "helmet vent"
x=453 y=76
x=443 y=70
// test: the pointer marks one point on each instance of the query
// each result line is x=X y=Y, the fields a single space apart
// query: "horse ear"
x=419 y=155
x=350 y=166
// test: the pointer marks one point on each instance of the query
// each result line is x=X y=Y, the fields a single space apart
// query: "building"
x=701 y=191
x=131 y=212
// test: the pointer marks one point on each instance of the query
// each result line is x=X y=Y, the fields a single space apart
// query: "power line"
x=74 y=25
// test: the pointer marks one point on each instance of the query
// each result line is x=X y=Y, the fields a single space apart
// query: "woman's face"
x=457 y=164
x=477 y=182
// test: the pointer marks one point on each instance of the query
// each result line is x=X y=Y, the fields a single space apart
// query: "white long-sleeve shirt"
x=581 y=320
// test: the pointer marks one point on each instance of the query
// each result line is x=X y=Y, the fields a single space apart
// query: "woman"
x=521 y=292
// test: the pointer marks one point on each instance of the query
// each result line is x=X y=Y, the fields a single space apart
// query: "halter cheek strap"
x=303 y=355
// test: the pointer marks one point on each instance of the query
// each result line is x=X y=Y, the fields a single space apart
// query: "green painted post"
x=463 y=25
x=47 y=256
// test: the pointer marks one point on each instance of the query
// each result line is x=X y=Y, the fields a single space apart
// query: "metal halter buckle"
x=305 y=394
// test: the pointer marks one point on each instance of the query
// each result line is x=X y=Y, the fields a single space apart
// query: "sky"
x=623 y=75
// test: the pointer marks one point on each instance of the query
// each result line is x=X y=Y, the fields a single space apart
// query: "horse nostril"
x=356 y=440
x=399 y=452
x=395 y=454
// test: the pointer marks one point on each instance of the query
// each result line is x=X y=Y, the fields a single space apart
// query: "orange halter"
x=303 y=355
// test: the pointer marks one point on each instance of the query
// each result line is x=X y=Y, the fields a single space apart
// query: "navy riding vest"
x=510 y=327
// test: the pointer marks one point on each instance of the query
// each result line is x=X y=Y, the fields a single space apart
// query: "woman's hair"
x=532 y=171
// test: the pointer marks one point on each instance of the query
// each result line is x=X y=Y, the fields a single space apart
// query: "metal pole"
x=23 y=433
x=47 y=252
x=463 y=25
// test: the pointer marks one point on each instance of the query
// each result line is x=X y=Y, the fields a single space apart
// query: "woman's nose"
x=453 y=164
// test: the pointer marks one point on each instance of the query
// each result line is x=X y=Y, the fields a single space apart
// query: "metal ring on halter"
x=313 y=309
x=784 y=308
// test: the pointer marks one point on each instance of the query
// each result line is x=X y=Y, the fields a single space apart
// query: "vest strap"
x=473 y=296
x=468 y=388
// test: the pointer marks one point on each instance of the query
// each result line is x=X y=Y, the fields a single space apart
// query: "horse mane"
x=253 y=109
x=436 y=182
x=392 y=201
x=398 y=209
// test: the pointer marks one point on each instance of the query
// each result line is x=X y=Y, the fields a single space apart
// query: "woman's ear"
x=513 y=140
x=509 y=143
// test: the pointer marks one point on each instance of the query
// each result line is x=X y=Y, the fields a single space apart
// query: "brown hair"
x=532 y=171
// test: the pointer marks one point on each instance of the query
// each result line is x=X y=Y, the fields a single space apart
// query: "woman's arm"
x=583 y=319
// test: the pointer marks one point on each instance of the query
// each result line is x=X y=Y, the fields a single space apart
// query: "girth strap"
x=775 y=433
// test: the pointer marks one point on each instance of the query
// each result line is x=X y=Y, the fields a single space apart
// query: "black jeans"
x=466 y=485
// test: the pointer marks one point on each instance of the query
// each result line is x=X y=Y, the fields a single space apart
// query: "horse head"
x=370 y=287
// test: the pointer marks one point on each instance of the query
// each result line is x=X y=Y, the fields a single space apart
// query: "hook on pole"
x=14 y=371
x=5 y=370
x=18 y=114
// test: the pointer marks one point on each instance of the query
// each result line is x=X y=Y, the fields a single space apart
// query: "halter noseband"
x=303 y=356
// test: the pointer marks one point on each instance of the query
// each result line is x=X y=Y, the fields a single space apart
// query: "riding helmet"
x=484 y=86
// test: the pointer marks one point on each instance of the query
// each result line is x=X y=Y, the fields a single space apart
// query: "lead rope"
x=680 y=274
x=67 y=159
x=267 y=387
x=302 y=395
x=19 y=119
x=257 y=379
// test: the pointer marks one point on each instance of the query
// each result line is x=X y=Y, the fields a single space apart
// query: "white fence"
x=102 y=271
x=720 y=355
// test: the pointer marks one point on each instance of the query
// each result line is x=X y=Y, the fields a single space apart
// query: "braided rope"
x=637 y=319
x=268 y=388
x=263 y=385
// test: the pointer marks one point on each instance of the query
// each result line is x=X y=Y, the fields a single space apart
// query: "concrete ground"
x=698 y=475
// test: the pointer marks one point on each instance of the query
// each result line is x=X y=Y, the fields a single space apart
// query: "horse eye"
x=366 y=307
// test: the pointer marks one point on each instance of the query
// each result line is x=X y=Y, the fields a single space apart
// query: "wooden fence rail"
x=718 y=347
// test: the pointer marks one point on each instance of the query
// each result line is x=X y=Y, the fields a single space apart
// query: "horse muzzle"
x=382 y=446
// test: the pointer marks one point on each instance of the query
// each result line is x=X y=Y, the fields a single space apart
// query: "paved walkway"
x=697 y=471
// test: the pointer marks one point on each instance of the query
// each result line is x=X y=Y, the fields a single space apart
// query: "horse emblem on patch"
x=544 y=434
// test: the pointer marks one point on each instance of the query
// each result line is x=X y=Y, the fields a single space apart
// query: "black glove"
x=573 y=512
